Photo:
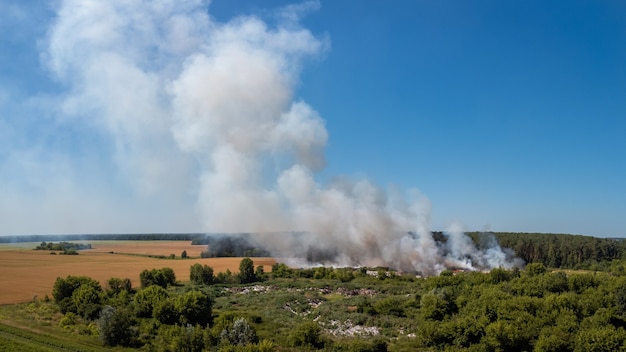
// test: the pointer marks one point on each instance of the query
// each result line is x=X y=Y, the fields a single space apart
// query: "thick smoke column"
x=197 y=106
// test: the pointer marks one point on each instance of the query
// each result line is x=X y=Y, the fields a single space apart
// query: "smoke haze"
x=197 y=111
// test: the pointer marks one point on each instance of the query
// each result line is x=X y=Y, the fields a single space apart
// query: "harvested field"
x=27 y=273
x=147 y=247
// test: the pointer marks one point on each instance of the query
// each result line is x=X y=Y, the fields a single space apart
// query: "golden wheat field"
x=26 y=273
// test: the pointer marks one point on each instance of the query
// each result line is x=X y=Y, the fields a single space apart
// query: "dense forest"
x=230 y=246
x=561 y=251
x=345 y=309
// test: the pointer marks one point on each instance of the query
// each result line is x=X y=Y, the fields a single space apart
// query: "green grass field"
x=35 y=327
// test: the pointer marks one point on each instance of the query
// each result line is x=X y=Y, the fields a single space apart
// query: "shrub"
x=358 y=345
x=225 y=277
x=68 y=319
x=390 y=306
x=240 y=334
x=179 y=338
x=307 y=334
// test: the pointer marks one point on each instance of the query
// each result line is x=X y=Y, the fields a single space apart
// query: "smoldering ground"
x=451 y=250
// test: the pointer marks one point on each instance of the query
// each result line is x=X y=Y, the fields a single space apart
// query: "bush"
x=225 y=277
x=357 y=345
x=307 y=334
x=68 y=319
x=390 y=306
x=179 y=338
x=240 y=334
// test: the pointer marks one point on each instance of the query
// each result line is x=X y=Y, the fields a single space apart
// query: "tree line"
x=64 y=247
x=561 y=250
x=552 y=250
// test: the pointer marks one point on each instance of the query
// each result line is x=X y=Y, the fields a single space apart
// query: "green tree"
x=146 y=278
x=226 y=277
x=580 y=282
x=282 y=270
x=88 y=300
x=116 y=285
x=436 y=305
x=201 y=274
x=534 y=269
x=555 y=282
x=498 y=275
x=259 y=273
x=63 y=290
x=161 y=277
x=620 y=300
x=246 y=271
x=183 y=254
x=169 y=276
x=506 y=336
x=194 y=307
x=165 y=311
x=553 y=339
x=148 y=298
x=600 y=339
x=116 y=326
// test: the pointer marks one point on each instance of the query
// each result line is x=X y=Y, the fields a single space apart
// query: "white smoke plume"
x=206 y=108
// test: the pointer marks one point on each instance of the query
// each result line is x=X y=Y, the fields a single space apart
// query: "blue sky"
x=507 y=116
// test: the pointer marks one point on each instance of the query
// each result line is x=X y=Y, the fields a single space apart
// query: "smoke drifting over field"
x=201 y=107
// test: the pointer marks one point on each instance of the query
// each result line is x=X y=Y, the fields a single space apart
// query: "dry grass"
x=27 y=273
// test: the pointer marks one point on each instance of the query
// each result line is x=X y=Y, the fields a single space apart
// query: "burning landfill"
x=219 y=97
